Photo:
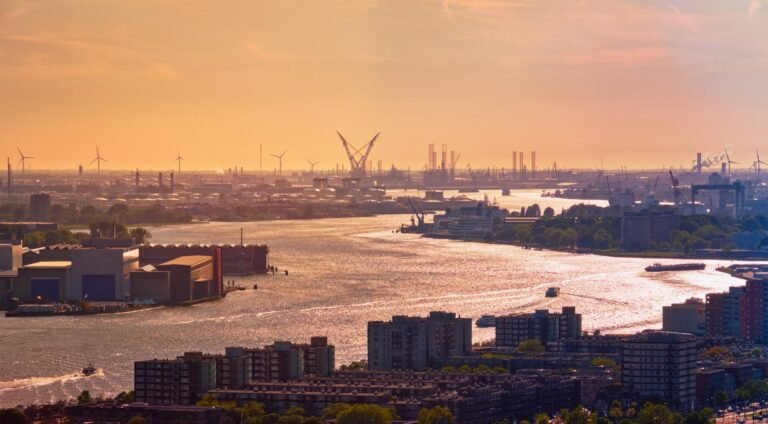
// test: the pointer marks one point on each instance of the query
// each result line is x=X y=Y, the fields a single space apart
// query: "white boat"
x=486 y=321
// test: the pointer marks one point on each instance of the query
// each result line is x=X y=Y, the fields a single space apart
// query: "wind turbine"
x=98 y=161
x=179 y=159
x=757 y=163
x=280 y=158
x=312 y=166
x=729 y=161
x=23 y=160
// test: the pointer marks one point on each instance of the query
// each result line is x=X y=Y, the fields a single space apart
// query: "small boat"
x=657 y=267
x=89 y=370
x=486 y=321
x=468 y=190
x=505 y=191
x=553 y=292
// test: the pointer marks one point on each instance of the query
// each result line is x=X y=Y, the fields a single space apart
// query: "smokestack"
x=722 y=169
x=514 y=163
x=698 y=163
x=172 y=183
x=521 y=162
x=533 y=164
x=9 y=178
x=160 y=180
x=80 y=170
x=431 y=158
x=137 y=178
x=444 y=157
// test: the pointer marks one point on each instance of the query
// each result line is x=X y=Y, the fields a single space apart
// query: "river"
x=343 y=273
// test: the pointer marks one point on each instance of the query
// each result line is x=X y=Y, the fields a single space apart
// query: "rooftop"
x=190 y=260
x=49 y=265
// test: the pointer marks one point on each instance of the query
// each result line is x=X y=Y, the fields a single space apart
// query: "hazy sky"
x=642 y=83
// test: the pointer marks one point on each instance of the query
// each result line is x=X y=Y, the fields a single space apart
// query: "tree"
x=13 y=416
x=137 y=420
x=718 y=353
x=542 y=418
x=657 y=414
x=364 y=414
x=436 y=415
x=291 y=419
x=331 y=412
x=549 y=212
x=125 y=397
x=533 y=211
x=720 y=398
x=140 y=235
x=531 y=346
x=604 y=362
x=616 y=411
x=84 y=398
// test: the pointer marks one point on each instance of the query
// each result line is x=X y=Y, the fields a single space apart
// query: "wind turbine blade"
x=21 y=154
x=93 y=161
x=20 y=161
x=284 y=152
x=103 y=159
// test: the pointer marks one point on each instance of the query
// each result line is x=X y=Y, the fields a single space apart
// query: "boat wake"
x=23 y=383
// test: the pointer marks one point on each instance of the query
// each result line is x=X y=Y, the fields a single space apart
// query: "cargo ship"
x=675 y=267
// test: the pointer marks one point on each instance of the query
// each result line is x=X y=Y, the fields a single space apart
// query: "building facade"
x=409 y=343
x=541 y=325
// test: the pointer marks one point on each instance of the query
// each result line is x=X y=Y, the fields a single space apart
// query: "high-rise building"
x=754 y=323
x=661 y=365
x=688 y=317
x=409 y=343
x=283 y=361
x=541 y=325
x=180 y=381
x=40 y=207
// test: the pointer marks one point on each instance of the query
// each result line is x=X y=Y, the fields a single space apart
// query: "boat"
x=657 y=267
x=486 y=321
x=468 y=190
x=505 y=191
x=89 y=370
x=553 y=292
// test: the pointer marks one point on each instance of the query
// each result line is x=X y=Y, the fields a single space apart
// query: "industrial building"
x=410 y=343
x=179 y=280
x=541 y=325
x=45 y=281
x=236 y=259
x=101 y=274
x=40 y=207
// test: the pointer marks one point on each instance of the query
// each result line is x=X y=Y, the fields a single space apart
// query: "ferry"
x=89 y=370
x=657 y=267
x=553 y=292
x=486 y=321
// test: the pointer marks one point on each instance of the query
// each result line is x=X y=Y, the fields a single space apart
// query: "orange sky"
x=644 y=83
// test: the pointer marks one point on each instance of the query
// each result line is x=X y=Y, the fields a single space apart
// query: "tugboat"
x=657 y=267
x=89 y=370
x=486 y=321
x=553 y=292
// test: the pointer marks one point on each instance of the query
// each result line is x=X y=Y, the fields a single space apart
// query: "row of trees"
x=343 y=413
x=104 y=229
x=120 y=212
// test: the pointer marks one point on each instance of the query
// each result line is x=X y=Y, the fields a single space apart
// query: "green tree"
x=140 y=235
x=531 y=346
x=549 y=212
x=125 y=397
x=616 y=411
x=332 y=411
x=137 y=420
x=542 y=418
x=84 y=398
x=436 y=415
x=365 y=414
x=657 y=414
x=720 y=398
x=291 y=419
x=604 y=362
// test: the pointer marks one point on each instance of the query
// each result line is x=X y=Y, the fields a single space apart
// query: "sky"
x=637 y=83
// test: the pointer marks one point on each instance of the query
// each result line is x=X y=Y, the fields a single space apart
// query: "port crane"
x=358 y=157
x=675 y=186
x=419 y=216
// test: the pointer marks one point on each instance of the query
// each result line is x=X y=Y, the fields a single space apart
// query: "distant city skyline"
x=644 y=84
